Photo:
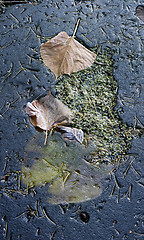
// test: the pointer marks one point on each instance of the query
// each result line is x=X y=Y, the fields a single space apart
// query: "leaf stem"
x=76 y=27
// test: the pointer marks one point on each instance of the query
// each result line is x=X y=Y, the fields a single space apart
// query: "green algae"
x=63 y=167
x=92 y=96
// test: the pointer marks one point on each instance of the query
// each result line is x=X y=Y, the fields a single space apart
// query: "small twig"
x=116 y=181
x=6 y=230
x=34 y=58
x=52 y=235
x=5 y=166
x=99 y=63
x=27 y=36
x=37 y=207
x=36 y=78
x=86 y=38
x=137 y=120
x=113 y=189
x=37 y=232
x=66 y=178
x=46 y=136
x=63 y=208
x=125 y=194
x=141 y=234
x=21 y=69
x=79 y=174
x=129 y=192
x=46 y=215
x=117 y=231
x=127 y=169
x=102 y=29
x=19 y=182
x=118 y=195
x=141 y=184
x=20 y=215
x=78 y=209
x=135 y=170
x=6 y=45
x=55 y=167
x=14 y=17
x=9 y=106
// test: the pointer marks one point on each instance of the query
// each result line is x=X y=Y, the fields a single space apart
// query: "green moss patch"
x=92 y=96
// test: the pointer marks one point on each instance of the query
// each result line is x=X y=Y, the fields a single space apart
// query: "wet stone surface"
x=118 y=212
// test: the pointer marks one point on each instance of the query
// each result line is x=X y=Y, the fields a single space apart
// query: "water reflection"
x=61 y=166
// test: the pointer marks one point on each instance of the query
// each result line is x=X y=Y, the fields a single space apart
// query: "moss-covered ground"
x=92 y=96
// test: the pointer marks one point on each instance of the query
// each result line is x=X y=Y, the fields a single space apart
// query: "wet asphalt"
x=118 y=212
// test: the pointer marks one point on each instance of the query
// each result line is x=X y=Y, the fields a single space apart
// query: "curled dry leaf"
x=65 y=55
x=140 y=12
x=72 y=134
x=48 y=112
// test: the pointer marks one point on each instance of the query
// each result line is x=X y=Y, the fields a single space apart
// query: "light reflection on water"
x=62 y=165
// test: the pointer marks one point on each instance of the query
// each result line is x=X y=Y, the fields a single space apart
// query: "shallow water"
x=62 y=164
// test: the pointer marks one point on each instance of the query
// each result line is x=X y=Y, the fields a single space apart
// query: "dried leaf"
x=65 y=55
x=140 y=12
x=72 y=134
x=48 y=112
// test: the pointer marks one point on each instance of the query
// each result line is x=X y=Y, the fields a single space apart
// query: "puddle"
x=61 y=166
